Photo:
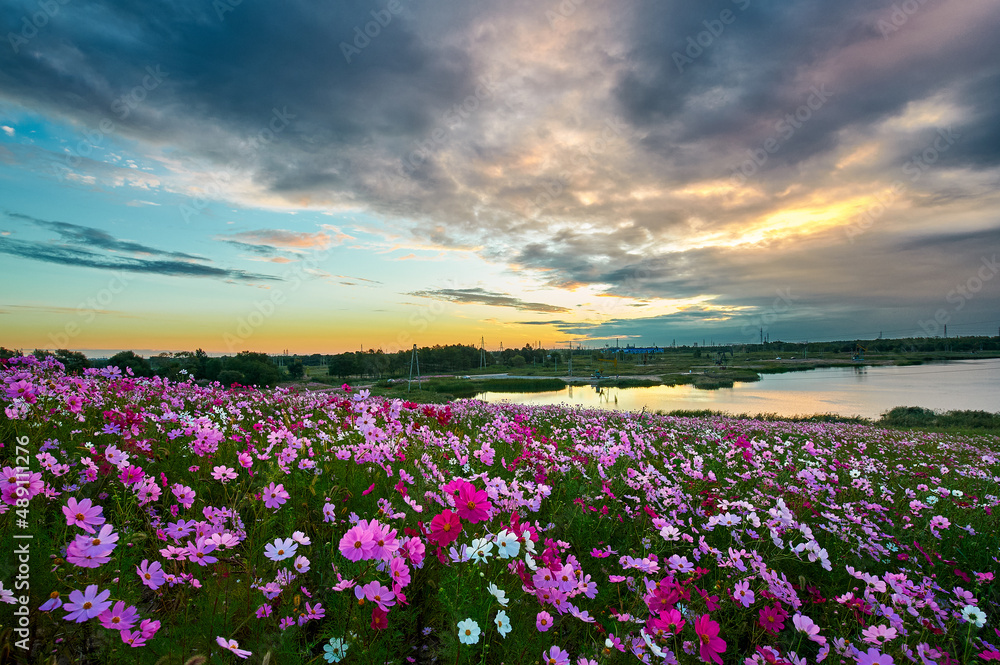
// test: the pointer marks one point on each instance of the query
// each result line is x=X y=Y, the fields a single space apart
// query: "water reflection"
x=856 y=390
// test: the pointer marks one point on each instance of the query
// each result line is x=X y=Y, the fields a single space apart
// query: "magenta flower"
x=83 y=514
x=87 y=604
x=555 y=656
x=472 y=504
x=119 y=617
x=445 y=528
x=357 y=544
x=543 y=621
x=274 y=495
x=150 y=574
x=710 y=645
x=772 y=618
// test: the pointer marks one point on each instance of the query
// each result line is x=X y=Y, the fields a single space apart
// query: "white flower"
x=503 y=623
x=468 y=631
x=855 y=473
x=507 y=545
x=481 y=549
x=974 y=615
x=498 y=593
x=958 y=493
x=931 y=500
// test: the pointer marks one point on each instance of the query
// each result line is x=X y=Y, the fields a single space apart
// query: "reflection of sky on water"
x=864 y=391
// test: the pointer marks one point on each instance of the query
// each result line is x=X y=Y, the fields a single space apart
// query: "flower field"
x=167 y=523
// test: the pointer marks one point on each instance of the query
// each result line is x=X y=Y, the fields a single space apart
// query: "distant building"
x=641 y=349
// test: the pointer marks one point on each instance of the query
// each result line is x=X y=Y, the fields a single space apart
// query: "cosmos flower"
x=274 y=496
x=710 y=645
x=234 y=646
x=83 y=514
x=87 y=604
x=445 y=528
x=468 y=631
x=502 y=623
x=280 y=549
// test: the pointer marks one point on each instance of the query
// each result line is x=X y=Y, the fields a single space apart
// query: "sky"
x=328 y=176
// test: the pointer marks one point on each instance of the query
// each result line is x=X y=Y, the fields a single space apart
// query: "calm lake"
x=846 y=391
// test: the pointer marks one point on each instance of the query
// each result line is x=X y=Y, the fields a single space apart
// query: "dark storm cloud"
x=769 y=60
x=480 y=296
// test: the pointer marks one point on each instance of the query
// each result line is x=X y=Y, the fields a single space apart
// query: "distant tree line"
x=259 y=369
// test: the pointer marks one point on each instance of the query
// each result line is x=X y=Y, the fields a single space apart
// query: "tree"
x=296 y=369
x=128 y=359
x=518 y=361
x=228 y=377
x=257 y=368
x=74 y=361
x=7 y=353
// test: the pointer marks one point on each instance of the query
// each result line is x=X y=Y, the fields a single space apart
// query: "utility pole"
x=414 y=360
x=571 y=359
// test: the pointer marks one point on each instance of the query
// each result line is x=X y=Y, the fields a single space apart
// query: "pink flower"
x=184 y=494
x=87 y=604
x=874 y=657
x=710 y=645
x=399 y=572
x=223 y=473
x=807 y=626
x=150 y=574
x=543 y=621
x=376 y=593
x=555 y=656
x=357 y=544
x=743 y=593
x=274 y=495
x=234 y=646
x=118 y=617
x=83 y=514
x=301 y=564
x=878 y=635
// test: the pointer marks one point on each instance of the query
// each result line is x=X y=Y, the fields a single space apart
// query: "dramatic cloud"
x=480 y=296
x=675 y=155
